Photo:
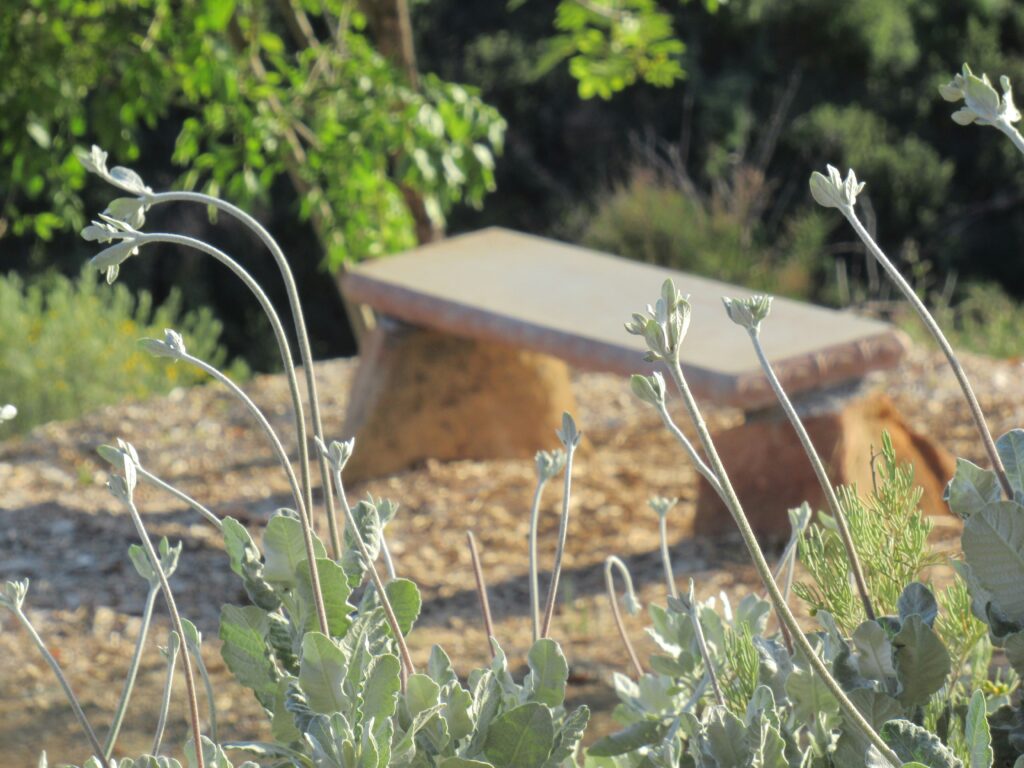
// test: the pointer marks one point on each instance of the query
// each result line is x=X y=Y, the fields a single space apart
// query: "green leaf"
x=971 y=489
x=284 y=548
x=1013 y=646
x=335 y=590
x=461 y=762
x=569 y=737
x=874 y=651
x=640 y=734
x=213 y=755
x=977 y=736
x=243 y=632
x=810 y=696
x=521 y=738
x=549 y=672
x=406 y=602
x=916 y=598
x=993 y=544
x=439 y=667
x=877 y=708
x=380 y=688
x=421 y=693
x=913 y=743
x=321 y=674
x=922 y=661
x=1011 y=450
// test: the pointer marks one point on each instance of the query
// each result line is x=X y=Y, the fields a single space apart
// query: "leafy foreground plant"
x=894 y=676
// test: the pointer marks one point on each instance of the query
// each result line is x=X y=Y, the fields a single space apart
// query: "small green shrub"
x=70 y=346
x=986 y=320
x=655 y=221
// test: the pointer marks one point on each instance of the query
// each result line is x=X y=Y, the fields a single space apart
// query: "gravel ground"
x=60 y=528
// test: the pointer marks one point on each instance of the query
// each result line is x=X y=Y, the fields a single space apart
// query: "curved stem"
x=609 y=583
x=389 y=612
x=279 y=335
x=300 y=332
x=698 y=462
x=563 y=531
x=133 y=670
x=76 y=706
x=764 y=570
x=172 y=609
x=944 y=345
x=819 y=470
x=182 y=496
x=666 y=558
x=1012 y=133
x=173 y=644
x=534 y=589
x=481 y=590
x=282 y=456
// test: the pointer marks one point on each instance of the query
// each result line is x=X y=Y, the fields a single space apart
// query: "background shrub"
x=70 y=345
x=661 y=221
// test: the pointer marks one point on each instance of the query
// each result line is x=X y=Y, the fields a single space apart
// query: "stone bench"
x=469 y=361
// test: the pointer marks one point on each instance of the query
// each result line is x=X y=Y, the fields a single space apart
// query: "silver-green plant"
x=664 y=328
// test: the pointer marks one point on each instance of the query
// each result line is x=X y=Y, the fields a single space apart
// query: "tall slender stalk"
x=206 y=514
x=481 y=591
x=662 y=507
x=172 y=609
x=693 y=607
x=133 y=670
x=301 y=334
x=76 y=706
x=819 y=470
x=282 y=456
x=609 y=582
x=570 y=440
x=279 y=335
x=389 y=612
x=548 y=465
x=764 y=570
x=173 y=644
x=947 y=349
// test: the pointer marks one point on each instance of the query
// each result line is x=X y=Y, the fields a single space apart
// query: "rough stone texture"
x=771 y=474
x=487 y=285
x=422 y=395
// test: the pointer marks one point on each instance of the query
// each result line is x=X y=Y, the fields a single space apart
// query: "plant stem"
x=702 y=645
x=282 y=456
x=666 y=559
x=173 y=643
x=279 y=335
x=563 y=531
x=76 y=706
x=609 y=583
x=534 y=589
x=389 y=612
x=764 y=570
x=944 y=345
x=133 y=670
x=820 y=473
x=172 y=609
x=154 y=480
x=698 y=462
x=1012 y=133
x=300 y=332
x=389 y=564
x=481 y=590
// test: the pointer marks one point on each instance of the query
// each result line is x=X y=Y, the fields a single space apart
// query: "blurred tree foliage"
x=256 y=91
x=772 y=88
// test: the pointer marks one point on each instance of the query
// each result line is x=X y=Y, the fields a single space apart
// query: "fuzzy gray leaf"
x=549 y=672
x=1011 y=451
x=874 y=651
x=922 y=661
x=914 y=744
x=993 y=544
x=971 y=489
x=916 y=598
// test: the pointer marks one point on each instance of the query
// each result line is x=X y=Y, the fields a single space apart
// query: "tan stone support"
x=420 y=395
x=771 y=473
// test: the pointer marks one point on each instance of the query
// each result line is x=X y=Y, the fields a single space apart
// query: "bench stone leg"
x=420 y=394
x=771 y=474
